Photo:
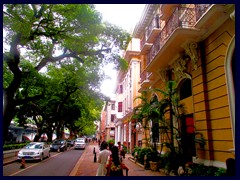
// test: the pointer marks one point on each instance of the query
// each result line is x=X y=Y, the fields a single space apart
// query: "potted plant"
x=154 y=160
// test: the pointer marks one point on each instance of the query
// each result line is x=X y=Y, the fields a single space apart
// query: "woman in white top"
x=102 y=159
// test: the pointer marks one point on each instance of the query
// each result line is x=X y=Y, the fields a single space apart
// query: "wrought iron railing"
x=143 y=41
x=181 y=17
x=143 y=76
x=155 y=23
x=201 y=9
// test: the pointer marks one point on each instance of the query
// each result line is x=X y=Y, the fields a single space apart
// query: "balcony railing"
x=181 y=18
x=143 y=76
x=201 y=9
x=143 y=41
x=153 y=28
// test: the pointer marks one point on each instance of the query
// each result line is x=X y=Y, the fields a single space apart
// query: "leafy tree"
x=68 y=97
x=47 y=34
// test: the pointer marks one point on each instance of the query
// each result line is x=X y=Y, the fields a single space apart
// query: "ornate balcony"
x=201 y=9
x=179 y=26
x=145 y=47
x=144 y=80
x=183 y=26
x=153 y=29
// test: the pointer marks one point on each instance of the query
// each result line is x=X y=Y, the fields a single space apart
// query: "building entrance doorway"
x=188 y=137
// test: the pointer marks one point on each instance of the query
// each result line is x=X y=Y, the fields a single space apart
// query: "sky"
x=125 y=16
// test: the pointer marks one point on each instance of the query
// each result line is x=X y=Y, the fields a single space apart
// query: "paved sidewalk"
x=87 y=167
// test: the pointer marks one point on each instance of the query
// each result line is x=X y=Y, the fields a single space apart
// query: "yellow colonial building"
x=194 y=45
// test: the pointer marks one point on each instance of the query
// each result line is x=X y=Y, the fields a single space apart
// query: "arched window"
x=185 y=89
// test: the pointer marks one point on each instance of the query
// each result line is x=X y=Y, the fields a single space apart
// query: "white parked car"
x=34 y=151
x=80 y=143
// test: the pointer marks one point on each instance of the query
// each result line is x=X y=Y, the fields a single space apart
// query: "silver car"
x=80 y=143
x=34 y=151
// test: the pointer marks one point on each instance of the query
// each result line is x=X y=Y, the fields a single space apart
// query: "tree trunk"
x=8 y=113
x=49 y=135
x=9 y=103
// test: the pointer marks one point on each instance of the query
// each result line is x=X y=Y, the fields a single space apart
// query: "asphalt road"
x=59 y=164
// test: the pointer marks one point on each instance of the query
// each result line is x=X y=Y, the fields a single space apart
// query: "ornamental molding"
x=163 y=74
x=179 y=66
x=191 y=50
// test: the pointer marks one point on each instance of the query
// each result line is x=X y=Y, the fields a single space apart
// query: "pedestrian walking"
x=121 y=153
x=23 y=163
x=114 y=166
x=102 y=159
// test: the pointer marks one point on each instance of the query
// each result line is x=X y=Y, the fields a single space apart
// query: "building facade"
x=126 y=93
x=106 y=129
x=194 y=45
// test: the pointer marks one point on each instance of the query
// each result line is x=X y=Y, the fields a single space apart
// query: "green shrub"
x=14 y=146
x=141 y=152
x=202 y=170
x=111 y=140
x=136 y=150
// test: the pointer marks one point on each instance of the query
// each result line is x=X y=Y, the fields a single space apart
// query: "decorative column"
x=119 y=133
x=129 y=137
x=116 y=133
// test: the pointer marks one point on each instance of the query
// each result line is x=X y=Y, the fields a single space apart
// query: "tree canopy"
x=69 y=43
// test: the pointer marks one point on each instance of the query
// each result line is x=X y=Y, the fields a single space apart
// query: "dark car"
x=70 y=143
x=59 y=145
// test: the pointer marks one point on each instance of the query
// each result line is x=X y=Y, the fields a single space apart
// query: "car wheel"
x=49 y=154
x=41 y=157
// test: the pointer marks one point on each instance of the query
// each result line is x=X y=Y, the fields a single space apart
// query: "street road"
x=59 y=164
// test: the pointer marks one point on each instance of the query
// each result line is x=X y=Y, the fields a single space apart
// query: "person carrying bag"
x=114 y=166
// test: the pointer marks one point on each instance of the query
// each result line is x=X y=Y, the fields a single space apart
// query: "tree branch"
x=28 y=99
x=56 y=59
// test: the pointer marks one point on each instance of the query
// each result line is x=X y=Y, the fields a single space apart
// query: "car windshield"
x=34 y=146
x=81 y=141
x=58 y=142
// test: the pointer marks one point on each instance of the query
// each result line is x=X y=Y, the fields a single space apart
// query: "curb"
x=9 y=162
x=75 y=169
x=132 y=160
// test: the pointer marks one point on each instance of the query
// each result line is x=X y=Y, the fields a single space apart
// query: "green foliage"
x=171 y=160
x=14 y=146
x=136 y=150
x=123 y=64
x=148 y=152
x=7 y=75
x=124 y=148
x=111 y=141
x=220 y=172
x=202 y=170
x=71 y=43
